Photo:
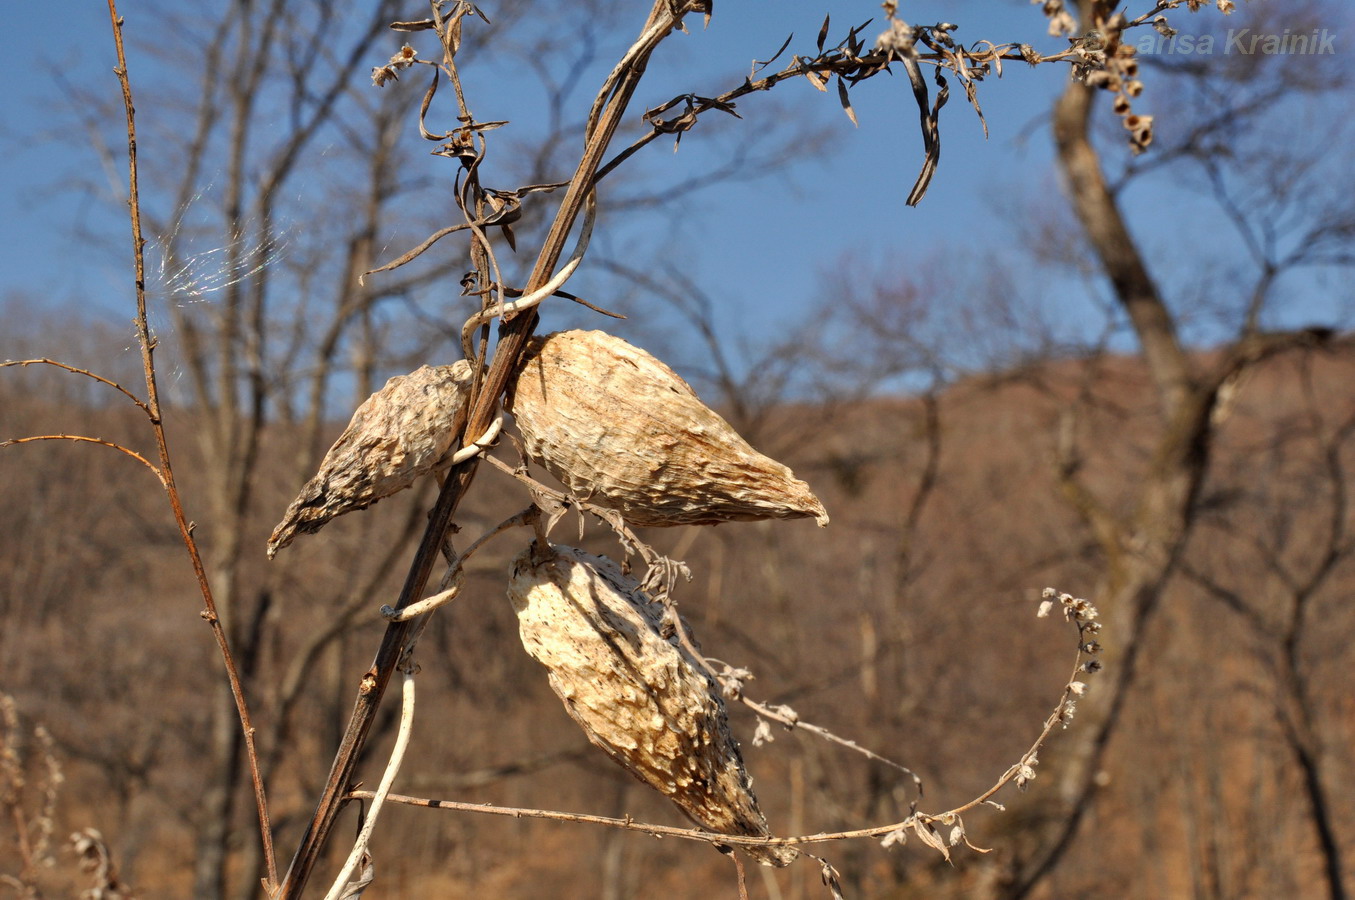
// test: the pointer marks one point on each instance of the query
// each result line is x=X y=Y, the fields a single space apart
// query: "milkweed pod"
x=402 y=432
x=639 y=696
x=621 y=429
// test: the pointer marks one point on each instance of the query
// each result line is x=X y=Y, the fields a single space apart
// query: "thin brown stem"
x=1077 y=611
x=147 y=344
x=76 y=370
x=80 y=438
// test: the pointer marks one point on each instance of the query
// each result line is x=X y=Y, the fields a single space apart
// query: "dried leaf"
x=846 y=101
x=362 y=879
x=831 y=879
x=760 y=64
x=897 y=836
x=931 y=132
x=928 y=835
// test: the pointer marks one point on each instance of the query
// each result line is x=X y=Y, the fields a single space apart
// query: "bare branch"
x=79 y=371
x=166 y=471
x=159 y=476
x=1078 y=611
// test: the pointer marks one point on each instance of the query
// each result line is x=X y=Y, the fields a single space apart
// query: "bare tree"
x=1300 y=548
x=1142 y=548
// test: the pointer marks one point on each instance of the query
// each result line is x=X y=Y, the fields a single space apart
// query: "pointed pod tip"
x=281 y=537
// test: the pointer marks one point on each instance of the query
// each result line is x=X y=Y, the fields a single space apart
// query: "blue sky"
x=772 y=242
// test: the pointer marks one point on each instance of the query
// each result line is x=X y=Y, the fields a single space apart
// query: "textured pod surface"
x=621 y=429
x=638 y=696
x=398 y=434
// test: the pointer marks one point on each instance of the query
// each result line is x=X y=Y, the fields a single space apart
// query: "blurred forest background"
x=1182 y=457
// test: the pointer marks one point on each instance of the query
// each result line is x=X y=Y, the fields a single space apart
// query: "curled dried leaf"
x=636 y=694
x=621 y=429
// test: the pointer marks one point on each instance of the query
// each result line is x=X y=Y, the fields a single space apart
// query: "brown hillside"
x=908 y=627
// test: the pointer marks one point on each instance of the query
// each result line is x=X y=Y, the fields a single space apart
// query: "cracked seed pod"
x=621 y=429
x=398 y=434
x=638 y=696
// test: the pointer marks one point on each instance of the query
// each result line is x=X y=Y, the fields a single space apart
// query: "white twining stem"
x=480 y=445
x=379 y=798
x=521 y=304
x=428 y=604
x=453 y=579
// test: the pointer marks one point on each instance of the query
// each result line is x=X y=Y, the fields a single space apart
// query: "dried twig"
x=79 y=371
x=791 y=720
x=506 y=310
x=452 y=580
x=923 y=824
x=80 y=438
x=378 y=797
x=152 y=408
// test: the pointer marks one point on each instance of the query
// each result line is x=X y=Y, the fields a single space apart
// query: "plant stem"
x=513 y=337
x=152 y=407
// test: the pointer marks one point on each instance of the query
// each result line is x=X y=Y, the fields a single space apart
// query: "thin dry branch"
x=79 y=371
x=791 y=720
x=850 y=62
x=378 y=798
x=923 y=824
x=147 y=344
x=80 y=438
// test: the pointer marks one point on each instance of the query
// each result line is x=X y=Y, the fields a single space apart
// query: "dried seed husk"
x=639 y=696
x=620 y=429
x=400 y=433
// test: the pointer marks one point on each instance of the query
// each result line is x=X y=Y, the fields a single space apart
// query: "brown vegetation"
x=922 y=645
x=1201 y=499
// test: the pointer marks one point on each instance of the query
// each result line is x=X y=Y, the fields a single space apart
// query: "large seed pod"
x=621 y=429
x=398 y=434
x=638 y=696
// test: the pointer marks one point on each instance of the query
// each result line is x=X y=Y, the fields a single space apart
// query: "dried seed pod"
x=621 y=429
x=398 y=434
x=637 y=695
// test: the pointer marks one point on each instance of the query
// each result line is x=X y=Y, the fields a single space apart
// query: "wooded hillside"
x=908 y=628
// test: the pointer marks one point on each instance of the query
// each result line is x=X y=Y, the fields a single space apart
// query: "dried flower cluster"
x=399 y=434
x=622 y=430
x=1225 y=6
x=1086 y=617
x=1119 y=75
x=95 y=860
x=1103 y=59
x=1061 y=21
x=636 y=694
x=403 y=59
